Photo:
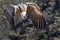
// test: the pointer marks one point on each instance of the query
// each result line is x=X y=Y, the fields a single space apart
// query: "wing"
x=40 y=24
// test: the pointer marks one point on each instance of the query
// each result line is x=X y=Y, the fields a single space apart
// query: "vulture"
x=26 y=11
x=36 y=16
x=23 y=20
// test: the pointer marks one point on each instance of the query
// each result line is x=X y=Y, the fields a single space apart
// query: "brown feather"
x=36 y=16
